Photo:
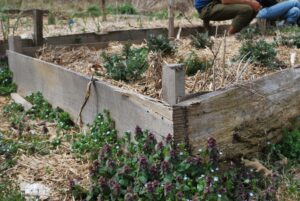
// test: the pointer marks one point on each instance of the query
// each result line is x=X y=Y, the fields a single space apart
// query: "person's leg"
x=292 y=15
x=241 y=14
x=277 y=10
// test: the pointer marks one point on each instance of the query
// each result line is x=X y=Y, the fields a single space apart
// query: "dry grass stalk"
x=89 y=62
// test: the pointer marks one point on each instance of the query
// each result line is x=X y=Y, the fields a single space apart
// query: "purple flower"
x=102 y=182
x=72 y=184
x=106 y=150
x=129 y=197
x=211 y=143
x=208 y=181
x=179 y=179
x=194 y=160
x=151 y=138
x=94 y=168
x=165 y=166
x=143 y=162
x=168 y=188
x=179 y=194
x=159 y=146
x=111 y=163
x=126 y=169
x=169 y=139
x=138 y=133
x=155 y=183
x=173 y=154
x=114 y=187
x=153 y=170
x=152 y=185
x=138 y=130
x=149 y=186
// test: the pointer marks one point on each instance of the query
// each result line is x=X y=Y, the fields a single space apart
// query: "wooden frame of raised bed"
x=243 y=118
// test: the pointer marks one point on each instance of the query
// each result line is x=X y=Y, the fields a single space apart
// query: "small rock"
x=35 y=190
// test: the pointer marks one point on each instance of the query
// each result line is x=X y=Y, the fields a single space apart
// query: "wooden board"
x=66 y=89
x=244 y=118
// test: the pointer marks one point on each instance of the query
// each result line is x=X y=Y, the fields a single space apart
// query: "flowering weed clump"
x=144 y=169
x=101 y=132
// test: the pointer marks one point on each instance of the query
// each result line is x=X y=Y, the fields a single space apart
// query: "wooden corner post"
x=103 y=10
x=15 y=43
x=171 y=19
x=38 y=27
x=173 y=83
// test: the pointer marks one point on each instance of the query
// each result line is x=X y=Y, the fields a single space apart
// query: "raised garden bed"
x=242 y=116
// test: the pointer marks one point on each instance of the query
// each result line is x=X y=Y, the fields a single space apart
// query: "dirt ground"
x=54 y=170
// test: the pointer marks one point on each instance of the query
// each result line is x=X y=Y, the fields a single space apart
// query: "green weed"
x=160 y=44
x=9 y=192
x=6 y=81
x=129 y=66
x=160 y=15
x=201 y=40
x=143 y=168
x=43 y=110
x=193 y=64
x=292 y=40
x=101 y=131
x=249 y=33
x=51 y=19
x=125 y=8
x=260 y=52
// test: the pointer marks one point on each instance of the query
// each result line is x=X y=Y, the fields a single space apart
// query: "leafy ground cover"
x=6 y=84
x=144 y=169
x=137 y=166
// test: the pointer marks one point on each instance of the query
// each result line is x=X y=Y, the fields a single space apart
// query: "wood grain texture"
x=245 y=117
x=66 y=89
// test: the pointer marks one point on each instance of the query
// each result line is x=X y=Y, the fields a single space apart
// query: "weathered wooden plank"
x=126 y=35
x=171 y=31
x=23 y=13
x=244 y=118
x=66 y=89
x=137 y=35
x=38 y=27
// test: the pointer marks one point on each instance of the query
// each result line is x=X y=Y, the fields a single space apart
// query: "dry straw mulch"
x=54 y=170
x=224 y=73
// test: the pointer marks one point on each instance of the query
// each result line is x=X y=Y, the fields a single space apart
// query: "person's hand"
x=255 y=5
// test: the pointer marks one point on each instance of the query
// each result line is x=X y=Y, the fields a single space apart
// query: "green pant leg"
x=241 y=14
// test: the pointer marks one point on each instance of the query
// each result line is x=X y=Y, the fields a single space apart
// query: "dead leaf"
x=258 y=167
